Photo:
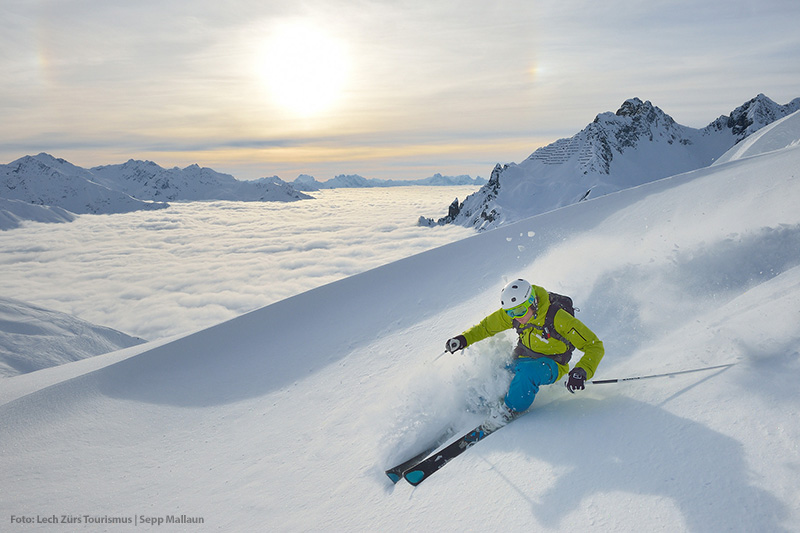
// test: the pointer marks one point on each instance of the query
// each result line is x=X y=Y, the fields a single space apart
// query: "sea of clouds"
x=162 y=273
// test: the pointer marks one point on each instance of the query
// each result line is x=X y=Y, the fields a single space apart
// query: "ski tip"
x=393 y=476
x=414 y=477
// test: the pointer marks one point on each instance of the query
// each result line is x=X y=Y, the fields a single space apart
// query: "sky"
x=384 y=89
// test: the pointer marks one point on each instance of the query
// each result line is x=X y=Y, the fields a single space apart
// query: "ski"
x=425 y=469
x=396 y=472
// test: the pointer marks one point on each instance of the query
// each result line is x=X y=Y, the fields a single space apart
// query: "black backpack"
x=557 y=301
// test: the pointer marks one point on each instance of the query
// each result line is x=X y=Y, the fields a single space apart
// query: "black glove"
x=576 y=380
x=455 y=344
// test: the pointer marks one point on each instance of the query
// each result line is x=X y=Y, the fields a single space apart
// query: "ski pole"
x=438 y=356
x=668 y=374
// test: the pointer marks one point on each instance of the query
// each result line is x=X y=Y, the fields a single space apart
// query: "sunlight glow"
x=304 y=68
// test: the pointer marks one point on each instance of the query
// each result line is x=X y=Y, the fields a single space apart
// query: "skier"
x=545 y=344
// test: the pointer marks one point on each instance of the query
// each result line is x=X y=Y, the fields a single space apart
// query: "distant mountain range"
x=47 y=189
x=637 y=144
x=309 y=183
x=148 y=181
x=44 y=180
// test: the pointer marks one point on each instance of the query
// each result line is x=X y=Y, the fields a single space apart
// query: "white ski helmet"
x=515 y=294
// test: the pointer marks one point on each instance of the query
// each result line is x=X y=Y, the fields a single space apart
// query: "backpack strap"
x=519 y=327
x=547 y=331
x=550 y=328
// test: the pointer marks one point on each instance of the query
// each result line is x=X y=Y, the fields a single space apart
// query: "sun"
x=304 y=68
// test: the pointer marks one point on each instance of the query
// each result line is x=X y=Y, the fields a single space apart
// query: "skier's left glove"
x=576 y=380
x=455 y=344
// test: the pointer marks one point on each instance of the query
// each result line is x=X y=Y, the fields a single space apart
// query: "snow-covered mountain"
x=309 y=183
x=47 y=181
x=285 y=418
x=305 y=182
x=779 y=135
x=637 y=144
x=438 y=180
x=14 y=212
x=147 y=180
x=33 y=338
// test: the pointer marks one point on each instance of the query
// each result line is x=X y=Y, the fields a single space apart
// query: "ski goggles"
x=520 y=310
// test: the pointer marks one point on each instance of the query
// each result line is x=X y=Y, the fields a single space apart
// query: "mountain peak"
x=753 y=114
x=139 y=162
x=634 y=106
x=45 y=157
x=633 y=111
x=644 y=111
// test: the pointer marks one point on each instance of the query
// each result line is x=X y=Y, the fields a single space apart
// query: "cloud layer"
x=163 y=273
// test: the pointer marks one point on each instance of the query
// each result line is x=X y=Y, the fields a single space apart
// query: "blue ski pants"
x=529 y=375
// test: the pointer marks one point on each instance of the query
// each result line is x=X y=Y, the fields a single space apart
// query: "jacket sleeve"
x=491 y=325
x=583 y=339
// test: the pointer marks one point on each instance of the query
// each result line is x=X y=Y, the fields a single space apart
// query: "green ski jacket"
x=533 y=338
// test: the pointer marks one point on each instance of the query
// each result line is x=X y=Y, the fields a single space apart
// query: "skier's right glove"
x=455 y=344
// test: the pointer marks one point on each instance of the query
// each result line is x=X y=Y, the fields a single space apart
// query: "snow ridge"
x=14 y=212
x=779 y=135
x=637 y=144
x=33 y=338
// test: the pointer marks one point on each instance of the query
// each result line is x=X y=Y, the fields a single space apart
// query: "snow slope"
x=32 y=338
x=284 y=418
